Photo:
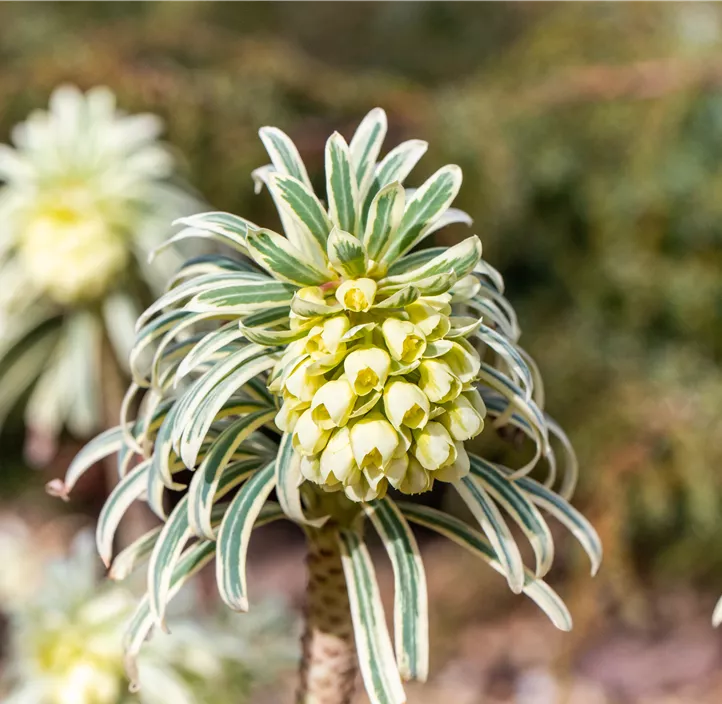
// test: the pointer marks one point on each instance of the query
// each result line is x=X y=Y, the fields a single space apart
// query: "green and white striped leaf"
x=411 y=610
x=459 y=259
x=126 y=491
x=107 y=443
x=373 y=643
x=227 y=225
x=274 y=338
x=308 y=309
x=300 y=202
x=201 y=411
x=395 y=166
x=242 y=299
x=384 y=216
x=288 y=481
x=235 y=533
x=494 y=526
x=426 y=205
x=365 y=146
x=341 y=186
x=346 y=254
x=192 y=561
x=130 y=557
x=400 y=299
x=204 y=486
x=566 y=514
x=460 y=533
x=452 y=216
x=283 y=154
x=206 y=347
x=287 y=263
x=429 y=286
x=525 y=514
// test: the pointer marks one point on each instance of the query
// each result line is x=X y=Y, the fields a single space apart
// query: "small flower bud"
x=356 y=295
x=434 y=447
x=406 y=404
x=303 y=385
x=367 y=369
x=332 y=404
x=463 y=360
x=416 y=480
x=337 y=460
x=461 y=419
x=405 y=341
x=457 y=470
x=438 y=382
x=308 y=438
x=373 y=440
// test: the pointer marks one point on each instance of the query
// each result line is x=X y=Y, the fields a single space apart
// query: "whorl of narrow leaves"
x=334 y=364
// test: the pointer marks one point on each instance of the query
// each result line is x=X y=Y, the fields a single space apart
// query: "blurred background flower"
x=66 y=633
x=590 y=136
x=86 y=195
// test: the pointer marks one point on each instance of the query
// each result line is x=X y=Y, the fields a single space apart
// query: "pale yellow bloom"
x=457 y=470
x=405 y=341
x=337 y=460
x=438 y=382
x=311 y=468
x=373 y=441
x=308 y=438
x=302 y=384
x=367 y=369
x=325 y=339
x=361 y=490
x=406 y=404
x=416 y=480
x=434 y=446
x=429 y=319
x=356 y=295
x=463 y=360
x=395 y=471
x=288 y=415
x=332 y=404
x=461 y=419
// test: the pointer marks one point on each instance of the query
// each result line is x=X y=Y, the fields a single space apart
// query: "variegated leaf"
x=275 y=254
x=341 y=186
x=242 y=299
x=411 y=611
x=365 y=146
x=283 y=154
x=235 y=533
x=288 y=480
x=461 y=534
x=426 y=205
x=384 y=217
x=346 y=254
x=373 y=644
x=130 y=557
x=494 y=526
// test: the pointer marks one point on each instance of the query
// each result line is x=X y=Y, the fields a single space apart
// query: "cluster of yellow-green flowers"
x=379 y=399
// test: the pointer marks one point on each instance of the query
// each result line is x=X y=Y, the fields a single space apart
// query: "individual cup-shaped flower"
x=324 y=340
x=308 y=438
x=395 y=470
x=303 y=385
x=290 y=412
x=428 y=317
x=367 y=369
x=405 y=404
x=434 y=446
x=337 y=459
x=356 y=295
x=458 y=469
x=333 y=403
x=462 y=419
x=310 y=466
x=417 y=479
x=359 y=488
x=405 y=341
x=438 y=381
x=463 y=360
x=373 y=441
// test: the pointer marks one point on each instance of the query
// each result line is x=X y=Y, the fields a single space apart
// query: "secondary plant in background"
x=66 y=643
x=345 y=372
x=86 y=196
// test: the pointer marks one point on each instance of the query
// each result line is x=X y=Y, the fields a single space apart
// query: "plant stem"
x=328 y=665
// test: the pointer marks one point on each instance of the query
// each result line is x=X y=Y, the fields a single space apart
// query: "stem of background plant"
x=328 y=665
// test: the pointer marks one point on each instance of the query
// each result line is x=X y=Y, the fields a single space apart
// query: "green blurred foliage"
x=590 y=136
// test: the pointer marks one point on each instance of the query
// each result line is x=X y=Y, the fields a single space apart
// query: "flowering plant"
x=344 y=371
